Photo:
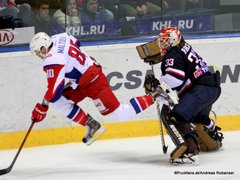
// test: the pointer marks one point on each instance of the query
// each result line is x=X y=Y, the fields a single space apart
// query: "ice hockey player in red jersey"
x=186 y=73
x=73 y=75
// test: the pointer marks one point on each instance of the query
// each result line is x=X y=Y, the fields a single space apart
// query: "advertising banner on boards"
x=152 y=26
x=16 y=36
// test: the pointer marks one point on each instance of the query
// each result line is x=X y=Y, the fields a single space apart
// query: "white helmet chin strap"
x=41 y=53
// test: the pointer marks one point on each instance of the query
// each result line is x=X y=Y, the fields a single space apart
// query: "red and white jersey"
x=64 y=60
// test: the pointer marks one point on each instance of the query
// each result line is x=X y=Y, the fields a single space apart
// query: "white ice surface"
x=121 y=159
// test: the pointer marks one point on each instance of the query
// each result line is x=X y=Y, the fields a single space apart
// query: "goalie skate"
x=94 y=131
x=186 y=159
x=164 y=92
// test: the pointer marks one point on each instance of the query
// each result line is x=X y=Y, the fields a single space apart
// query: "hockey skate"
x=190 y=156
x=94 y=131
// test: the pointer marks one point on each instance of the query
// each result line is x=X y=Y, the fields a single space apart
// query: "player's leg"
x=66 y=106
x=108 y=104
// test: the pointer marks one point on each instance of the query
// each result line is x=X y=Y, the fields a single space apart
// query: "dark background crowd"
x=43 y=13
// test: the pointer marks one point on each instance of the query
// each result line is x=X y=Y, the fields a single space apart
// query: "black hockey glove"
x=150 y=83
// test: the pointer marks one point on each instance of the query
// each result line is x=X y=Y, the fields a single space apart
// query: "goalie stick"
x=8 y=169
x=164 y=146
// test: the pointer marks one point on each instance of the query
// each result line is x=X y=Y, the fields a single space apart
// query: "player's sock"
x=141 y=103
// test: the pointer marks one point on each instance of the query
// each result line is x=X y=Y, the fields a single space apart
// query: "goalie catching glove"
x=150 y=52
x=161 y=93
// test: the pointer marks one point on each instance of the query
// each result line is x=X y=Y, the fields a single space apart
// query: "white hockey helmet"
x=38 y=41
x=168 y=37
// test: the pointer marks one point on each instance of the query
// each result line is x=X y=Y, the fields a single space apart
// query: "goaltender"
x=183 y=70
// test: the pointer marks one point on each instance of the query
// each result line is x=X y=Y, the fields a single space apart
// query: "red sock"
x=81 y=118
x=141 y=103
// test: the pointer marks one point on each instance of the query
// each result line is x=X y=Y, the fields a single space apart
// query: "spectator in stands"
x=137 y=8
x=102 y=6
x=93 y=13
x=158 y=5
x=68 y=15
x=113 y=6
x=5 y=9
x=21 y=11
x=42 y=19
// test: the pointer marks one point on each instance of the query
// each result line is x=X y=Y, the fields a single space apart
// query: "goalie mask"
x=168 y=37
x=38 y=41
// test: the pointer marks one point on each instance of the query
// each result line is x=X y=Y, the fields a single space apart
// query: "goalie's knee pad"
x=208 y=141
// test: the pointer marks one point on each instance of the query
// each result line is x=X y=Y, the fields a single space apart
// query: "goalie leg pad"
x=169 y=124
x=178 y=151
x=174 y=134
x=188 y=146
x=206 y=142
x=182 y=136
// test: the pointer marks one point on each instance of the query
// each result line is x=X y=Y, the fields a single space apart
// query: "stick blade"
x=165 y=148
x=5 y=171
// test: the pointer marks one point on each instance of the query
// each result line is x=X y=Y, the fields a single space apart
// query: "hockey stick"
x=7 y=170
x=164 y=147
